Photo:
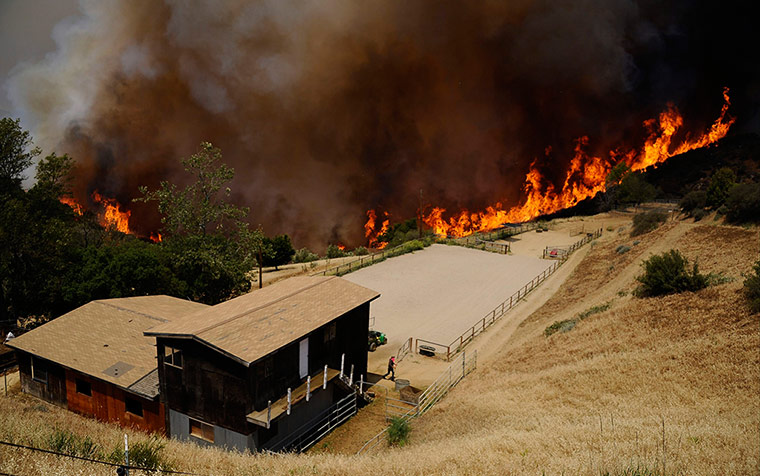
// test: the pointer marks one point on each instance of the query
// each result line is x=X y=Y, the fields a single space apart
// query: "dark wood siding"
x=107 y=402
x=54 y=390
x=210 y=386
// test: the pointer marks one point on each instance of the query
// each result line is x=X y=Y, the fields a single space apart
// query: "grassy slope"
x=667 y=382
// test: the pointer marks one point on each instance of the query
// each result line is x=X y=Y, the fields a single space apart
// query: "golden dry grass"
x=670 y=384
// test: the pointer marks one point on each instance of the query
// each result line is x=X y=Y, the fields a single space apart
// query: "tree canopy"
x=213 y=246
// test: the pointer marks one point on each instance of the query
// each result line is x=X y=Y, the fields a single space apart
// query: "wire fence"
x=406 y=410
x=93 y=460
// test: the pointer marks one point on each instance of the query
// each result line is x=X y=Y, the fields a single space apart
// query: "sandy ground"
x=438 y=293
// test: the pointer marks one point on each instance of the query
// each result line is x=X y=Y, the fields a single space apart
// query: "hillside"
x=664 y=385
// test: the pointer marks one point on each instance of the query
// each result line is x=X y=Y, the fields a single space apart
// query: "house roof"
x=254 y=325
x=105 y=338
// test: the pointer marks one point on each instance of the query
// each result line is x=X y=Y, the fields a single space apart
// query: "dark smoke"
x=327 y=108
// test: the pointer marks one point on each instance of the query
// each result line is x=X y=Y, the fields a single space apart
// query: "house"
x=259 y=370
x=96 y=360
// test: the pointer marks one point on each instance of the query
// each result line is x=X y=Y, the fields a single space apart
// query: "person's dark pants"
x=391 y=372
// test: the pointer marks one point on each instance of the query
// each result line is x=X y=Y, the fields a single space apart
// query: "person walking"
x=391 y=368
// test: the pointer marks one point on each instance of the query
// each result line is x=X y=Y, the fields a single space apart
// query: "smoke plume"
x=327 y=108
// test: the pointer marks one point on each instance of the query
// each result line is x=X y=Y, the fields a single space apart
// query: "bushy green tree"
x=694 y=200
x=668 y=273
x=279 y=251
x=720 y=184
x=16 y=150
x=634 y=189
x=333 y=251
x=214 y=249
x=304 y=255
x=743 y=203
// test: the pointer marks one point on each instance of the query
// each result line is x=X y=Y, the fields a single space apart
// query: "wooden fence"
x=448 y=379
x=489 y=319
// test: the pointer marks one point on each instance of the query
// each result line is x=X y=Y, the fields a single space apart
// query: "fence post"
x=342 y=360
x=269 y=412
x=464 y=358
x=126 y=454
x=289 y=401
x=351 y=376
x=308 y=387
x=324 y=379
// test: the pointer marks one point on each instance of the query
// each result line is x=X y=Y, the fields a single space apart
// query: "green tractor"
x=376 y=338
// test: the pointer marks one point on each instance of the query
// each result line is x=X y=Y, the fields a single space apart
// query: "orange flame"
x=156 y=237
x=585 y=176
x=372 y=234
x=72 y=203
x=112 y=216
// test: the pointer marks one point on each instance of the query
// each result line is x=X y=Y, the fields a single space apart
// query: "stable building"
x=260 y=370
x=96 y=360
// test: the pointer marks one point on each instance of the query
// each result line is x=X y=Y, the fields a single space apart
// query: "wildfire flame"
x=372 y=233
x=73 y=204
x=113 y=216
x=585 y=177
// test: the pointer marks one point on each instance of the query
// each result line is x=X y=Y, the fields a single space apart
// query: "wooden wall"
x=210 y=386
x=107 y=403
x=54 y=391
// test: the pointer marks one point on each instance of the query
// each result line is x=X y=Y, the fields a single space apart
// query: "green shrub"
x=334 y=252
x=646 y=222
x=743 y=203
x=304 y=255
x=560 y=326
x=720 y=184
x=398 y=432
x=693 y=201
x=65 y=441
x=699 y=214
x=667 y=274
x=144 y=454
x=622 y=249
x=594 y=310
x=360 y=251
x=752 y=288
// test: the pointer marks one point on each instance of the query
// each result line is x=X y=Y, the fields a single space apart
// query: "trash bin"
x=401 y=383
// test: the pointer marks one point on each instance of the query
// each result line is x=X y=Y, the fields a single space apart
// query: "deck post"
x=290 y=396
x=324 y=379
x=351 y=376
x=361 y=384
x=308 y=388
x=342 y=361
x=269 y=413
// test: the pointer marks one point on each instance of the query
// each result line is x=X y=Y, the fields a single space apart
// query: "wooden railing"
x=447 y=380
x=481 y=325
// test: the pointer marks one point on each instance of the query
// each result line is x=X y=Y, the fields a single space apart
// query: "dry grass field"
x=664 y=386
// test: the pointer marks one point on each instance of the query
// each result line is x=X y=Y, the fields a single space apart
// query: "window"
x=133 y=406
x=330 y=333
x=201 y=430
x=39 y=370
x=173 y=356
x=84 y=387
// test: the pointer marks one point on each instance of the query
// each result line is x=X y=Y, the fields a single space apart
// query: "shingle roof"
x=252 y=326
x=105 y=339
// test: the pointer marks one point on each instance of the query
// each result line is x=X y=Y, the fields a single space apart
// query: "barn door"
x=303 y=358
